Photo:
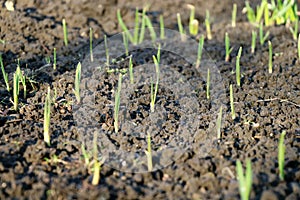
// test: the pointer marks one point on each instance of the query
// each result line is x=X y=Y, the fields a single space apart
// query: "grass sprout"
x=228 y=50
x=77 y=82
x=233 y=16
x=162 y=27
x=208 y=84
x=270 y=57
x=238 y=68
x=131 y=70
x=295 y=30
x=149 y=153
x=232 y=103
x=16 y=89
x=47 y=108
x=125 y=42
x=5 y=75
x=65 y=30
x=207 y=25
x=154 y=90
x=253 y=41
x=54 y=58
x=281 y=152
x=245 y=181
x=298 y=46
x=262 y=37
x=219 y=123
x=86 y=155
x=117 y=104
x=97 y=164
x=106 y=50
x=200 y=49
x=150 y=27
x=180 y=27
x=91 y=45
x=193 y=24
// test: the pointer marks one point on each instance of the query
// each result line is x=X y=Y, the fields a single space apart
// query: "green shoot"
x=131 y=70
x=106 y=51
x=23 y=81
x=200 y=49
x=5 y=75
x=207 y=25
x=154 y=91
x=48 y=59
x=298 y=44
x=91 y=44
x=281 y=152
x=149 y=153
x=124 y=27
x=97 y=164
x=47 y=108
x=158 y=53
x=85 y=155
x=228 y=50
x=65 y=32
x=237 y=67
x=208 y=84
x=233 y=18
x=16 y=89
x=232 y=103
x=245 y=181
x=136 y=27
x=142 y=32
x=125 y=42
x=180 y=27
x=253 y=42
x=262 y=37
x=54 y=58
x=150 y=27
x=77 y=82
x=270 y=57
x=193 y=24
x=295 y=30
x=117 y=104
x=219 y=123
x=162 y=27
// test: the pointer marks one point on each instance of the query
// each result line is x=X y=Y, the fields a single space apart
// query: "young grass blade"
x=270 y=57
x=23 y=81
x=233 y=19
x=124 y=27
x=262 y=37
x=54 y=58
x=97 y=164
x=5 y=75
x=298 y=45
x=295 y=30
x=253 y=42
x=131 y=70
x=16 y=90
x=47 y=108
x=106 y=50
x=193 y=24
x=125 y=42
x=136 y=27
x=158 y=54
x=91 y=44
x=65 y=32
x=208 y=84
x=207 y=25
x=117 y=104
x=150 y=26
x=281 y=152
x=162 y=27
x=142 y=32
x=180 y=27
x=237 y=67
x=219 y=123
x=232 y=103
x=154 y=93
x=149 y=153
x=77 y=82
x=228 y=50
x=200 y=49
x=250 y=13
x=245 y=181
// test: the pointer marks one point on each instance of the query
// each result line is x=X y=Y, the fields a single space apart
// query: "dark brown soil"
x=189 y=161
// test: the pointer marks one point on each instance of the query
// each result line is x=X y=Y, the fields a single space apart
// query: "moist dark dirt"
x=266 y=104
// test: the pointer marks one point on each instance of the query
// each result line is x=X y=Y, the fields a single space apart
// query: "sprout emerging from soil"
x=207 y=25
x=237 y=67
x=77 y=82
x=200 y=49
x=16 y=89
x=131 y=70
x=228 y=50
x=125 y=42
x=245 y=181
x=208 y=84
x=106 y=50
x=232 y=103
x=149 y=153
x=91 y=45
x=295 y=30
x=5 y=75
x=262 y=37
x=193 y=24
x=281 y=152
x=233 y=18
x=47 y=108
x=65 y=30
x=180 y=27
x=155 y=90
x=270 y=57
x=54 y=58
x=97 y=164
x=253 y=42
x=162 y=27
x=117 y=104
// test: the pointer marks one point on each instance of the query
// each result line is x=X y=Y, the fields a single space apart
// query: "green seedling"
x=85 y=155
x=207 y=25
x=117 y=104
x=162 y=27
x=232 y=103
x=245 y=181
x=298 y=46
x=131 y=70
x=5 y=75
x=16 y=90
x=125 y=42
x=54 y=58
x=97 y=164
x=252 y=17
x=281 y=152
x=228 y=50
x=193 y=24
x=77 y=82
x=253 y=41
x=219 y=123
x=262 y=37
x=237 y=67
x=91 y=45
x=48 y=59
x=149 y=153
x=295 y=30
x=270 y=57
x=143 y=25
x=47 y=108
x=65 y=32
x=180 y=27
x=154 y=90
x=23 y=81
x=106 y=50
x=233 y=17
x=150 y=27
x=200 y=49
x=208 y=84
